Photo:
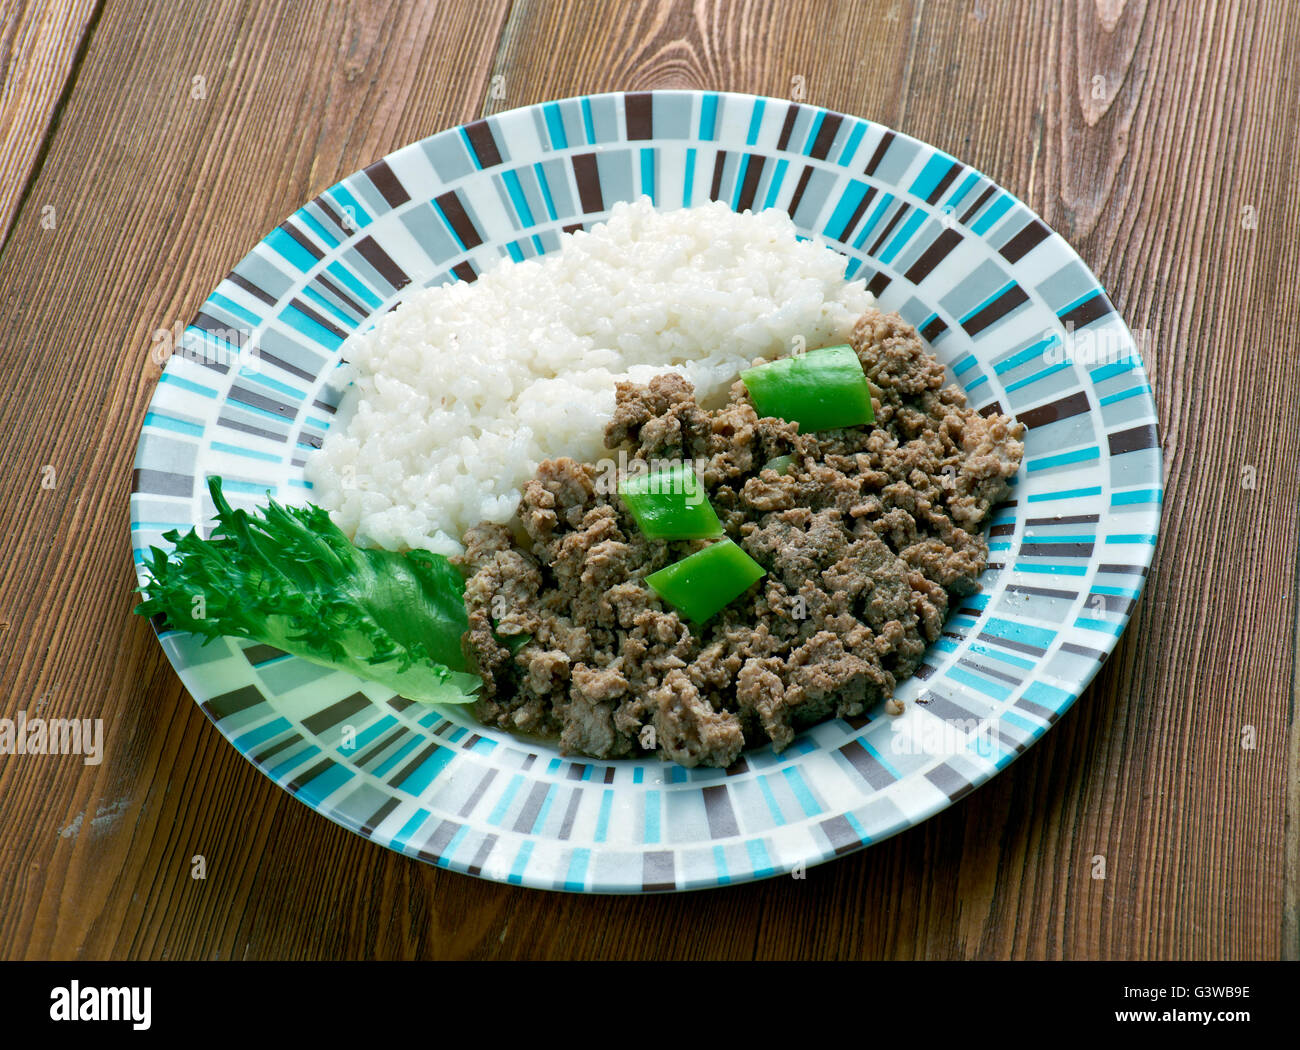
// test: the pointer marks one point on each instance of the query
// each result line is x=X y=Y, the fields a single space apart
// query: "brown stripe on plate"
x=749 y=187
x=1086 y=313
x=737 y=767
x=231 y=703
x=570 y=814
x=881 y=149
x=413 y=764
x=378 y=816
x=1003 y=530
x=935 y=328
x=245 y=396
x=899 y=212
x=379 y=747
x=657 y=871
x=949 y=781
x=436 y=843
x=336 y=713
x=638 y=113
x=867 y=765
x=990 y=672
x=381 y=261
x=826 y=135
x=716 y=186
x=933 y=255
x=301 y=238
x=320 y=319
x=1045 y=713
x=1132 y=440
x=1025 y=241
x=798 y=191
x=1126 y=570
x=1007 y=643
x=248 y=286
x=260 y=654
x=226 y=331
x=1083 y=650
x=247 y=428
x=717 y=808
x=459 y=219
x=388 y=184
x=840 y=834
x=465 y=271
x=477 y=793
x=339 y=293
x=481 y=855
x=532 y=806
x=879 y=282
x=993 y=408
x=348 y=228
x=979 y=203
x=788 y=126
x=856 y=217
x=1039 y=549
x=301 y=373
x=1041 y=592
x=943 y=183
x=480 y=137
x=1115 y=603
x=296 y=784
x=587 y=176
x=263 y=757
x=1066 y=519
x=1073 y=405
x=1010 y=300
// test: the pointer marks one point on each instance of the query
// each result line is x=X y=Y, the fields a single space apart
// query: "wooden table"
x=148 y=146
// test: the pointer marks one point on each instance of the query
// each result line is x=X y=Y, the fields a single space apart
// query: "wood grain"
x=193 y=130
x=39 y=46
x=1148 y=172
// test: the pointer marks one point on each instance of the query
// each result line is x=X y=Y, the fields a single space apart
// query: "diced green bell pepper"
x=670 y=504
x=702 y=583
x=820 y=389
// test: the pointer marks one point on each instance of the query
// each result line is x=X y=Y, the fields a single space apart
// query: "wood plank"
x=162 y=181
x=1146 y=172
x=39 y=45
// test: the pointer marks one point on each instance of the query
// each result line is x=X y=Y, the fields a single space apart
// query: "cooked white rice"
x=461 y=391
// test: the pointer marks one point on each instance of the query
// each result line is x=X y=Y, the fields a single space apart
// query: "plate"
x=1017 y=318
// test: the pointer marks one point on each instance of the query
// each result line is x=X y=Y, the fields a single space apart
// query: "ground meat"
x=865 y=539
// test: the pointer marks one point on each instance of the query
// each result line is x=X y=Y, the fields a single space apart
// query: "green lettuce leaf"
x=289 y=577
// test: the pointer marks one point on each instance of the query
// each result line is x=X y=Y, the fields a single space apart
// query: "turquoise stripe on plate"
x=1121 y=499
x=294 y=253
x=1079 y=455
x=992 y=214
x=178 y=426
x=233 y=307
x=575 y=879
x=172 y=379
x=651 y=827
x=1043 y=497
